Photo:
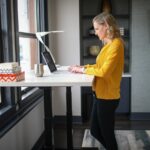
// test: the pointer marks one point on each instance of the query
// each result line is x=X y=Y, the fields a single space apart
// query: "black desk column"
x=48 y=120
x=69 y=118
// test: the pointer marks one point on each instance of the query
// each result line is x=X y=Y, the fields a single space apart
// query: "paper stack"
x=11 y=72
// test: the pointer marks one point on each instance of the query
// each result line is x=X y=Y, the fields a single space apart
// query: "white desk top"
x=59 y=78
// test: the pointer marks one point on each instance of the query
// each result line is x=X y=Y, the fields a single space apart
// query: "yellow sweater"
x=108 y=70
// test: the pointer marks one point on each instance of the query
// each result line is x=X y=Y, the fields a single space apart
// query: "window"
x=27 y=16
x=19 y=20
x=28 y=53
x=28 y=21
x=27 y=45
x=27 y=26
x=7 y=95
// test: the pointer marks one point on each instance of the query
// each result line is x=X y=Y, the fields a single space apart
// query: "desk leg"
x=48 y=120
x=69 y=118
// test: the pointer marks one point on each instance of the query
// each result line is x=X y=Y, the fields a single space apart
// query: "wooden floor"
x=78 y=131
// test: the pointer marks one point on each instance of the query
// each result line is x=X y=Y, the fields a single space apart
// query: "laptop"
x=49 y=61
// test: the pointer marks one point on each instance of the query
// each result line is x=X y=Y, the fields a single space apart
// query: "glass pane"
x=28 y=53
x=27 y=16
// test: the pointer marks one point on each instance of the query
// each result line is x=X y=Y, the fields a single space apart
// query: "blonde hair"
x=107 y=19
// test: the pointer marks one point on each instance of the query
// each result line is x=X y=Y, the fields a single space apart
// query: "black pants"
x=102 y=122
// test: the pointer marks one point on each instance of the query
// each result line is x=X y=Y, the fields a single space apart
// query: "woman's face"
x=100 y=30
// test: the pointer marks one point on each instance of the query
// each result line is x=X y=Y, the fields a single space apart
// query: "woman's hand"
x=76 y=69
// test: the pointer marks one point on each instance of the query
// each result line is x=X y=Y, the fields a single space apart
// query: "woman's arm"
x=110 y=63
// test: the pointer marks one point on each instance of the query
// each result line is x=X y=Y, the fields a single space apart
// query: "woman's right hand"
x=76 y=69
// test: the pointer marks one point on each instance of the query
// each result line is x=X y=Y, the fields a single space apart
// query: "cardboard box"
x=12 y=77
x=9 y=65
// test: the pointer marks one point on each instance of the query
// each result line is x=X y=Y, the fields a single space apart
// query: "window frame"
x=1 y=102
x=12 y=104
x=8 y=106
x=42 y=25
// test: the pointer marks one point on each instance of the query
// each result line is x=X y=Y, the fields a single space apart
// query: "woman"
x=107 y=77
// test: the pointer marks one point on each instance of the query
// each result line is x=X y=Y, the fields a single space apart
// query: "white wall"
x=64 y=15
x=26 y=132
x=140 y=67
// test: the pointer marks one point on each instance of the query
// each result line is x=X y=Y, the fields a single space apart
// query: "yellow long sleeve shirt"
x=108 y=70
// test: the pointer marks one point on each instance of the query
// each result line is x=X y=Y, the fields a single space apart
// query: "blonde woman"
x=107 y=77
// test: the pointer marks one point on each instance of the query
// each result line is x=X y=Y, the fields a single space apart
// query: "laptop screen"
x=49 y=61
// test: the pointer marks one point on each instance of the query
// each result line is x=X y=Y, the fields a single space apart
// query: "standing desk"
x=60 y=78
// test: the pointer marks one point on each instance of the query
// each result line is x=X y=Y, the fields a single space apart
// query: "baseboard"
x=62 y=120
x=122 y=116
x=79 y=120
x=89 y=148
x=140 y=116
x=73 y=149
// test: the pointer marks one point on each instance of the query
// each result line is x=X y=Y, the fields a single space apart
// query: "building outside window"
x=27 y=23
